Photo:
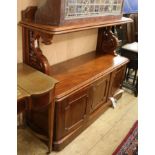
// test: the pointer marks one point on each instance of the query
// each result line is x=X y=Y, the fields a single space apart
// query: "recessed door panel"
x=100 y=90
x=117 y=79
x=71 y=112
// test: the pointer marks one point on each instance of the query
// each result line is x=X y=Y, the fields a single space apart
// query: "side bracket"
x=32 y=54
x=107 y=42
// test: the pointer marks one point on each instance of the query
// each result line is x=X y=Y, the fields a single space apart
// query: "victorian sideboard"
x=86 y=84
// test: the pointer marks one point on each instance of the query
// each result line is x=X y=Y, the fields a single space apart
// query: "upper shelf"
x=74 y=27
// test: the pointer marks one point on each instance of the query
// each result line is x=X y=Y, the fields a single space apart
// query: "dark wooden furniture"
x=86 y=83
x=130 y=51
x=36 y=97
x=83 y=93
x=22 y=96
x=22 y=103
x=128 y=34
x=132 y=28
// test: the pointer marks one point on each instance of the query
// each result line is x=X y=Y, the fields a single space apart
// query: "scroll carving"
x=29 y=13
x=32 y=54
x=46 y=38
x=36 y=58
x=107 y=41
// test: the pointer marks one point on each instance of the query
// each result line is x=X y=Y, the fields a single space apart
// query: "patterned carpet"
x=129 y=145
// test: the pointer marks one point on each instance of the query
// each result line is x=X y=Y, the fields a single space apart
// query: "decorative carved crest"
x=107 y=41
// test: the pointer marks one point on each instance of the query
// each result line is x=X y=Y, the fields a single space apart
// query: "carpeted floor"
x=129 y=145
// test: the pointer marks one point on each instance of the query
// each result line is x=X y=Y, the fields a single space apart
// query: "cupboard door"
x=116 y=80
x=71 y=112
x=100 y=92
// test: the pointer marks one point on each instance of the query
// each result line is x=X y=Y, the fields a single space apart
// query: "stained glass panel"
x=91 y=8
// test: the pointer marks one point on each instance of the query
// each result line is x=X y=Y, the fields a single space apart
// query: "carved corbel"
x=32 y=54
x=36 y=58
x=107 y=42
x=46 y=38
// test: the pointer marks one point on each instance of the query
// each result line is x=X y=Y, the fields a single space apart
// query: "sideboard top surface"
x=83 y=70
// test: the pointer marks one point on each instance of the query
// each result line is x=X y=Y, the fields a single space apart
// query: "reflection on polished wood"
x=21 y=93
x=83 y=70
x=33 y=81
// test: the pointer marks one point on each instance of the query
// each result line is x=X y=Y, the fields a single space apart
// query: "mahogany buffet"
x=86 y=83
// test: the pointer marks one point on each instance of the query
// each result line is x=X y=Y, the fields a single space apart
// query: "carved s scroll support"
x=32 y=54
x=107 y=42
x=37 y=59
x=46 y=38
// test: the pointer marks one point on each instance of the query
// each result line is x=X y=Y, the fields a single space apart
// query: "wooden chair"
x=130 y=50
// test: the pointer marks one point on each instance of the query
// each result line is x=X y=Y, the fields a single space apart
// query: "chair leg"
x=127 y=76
x=134 y=79
x=136 y=88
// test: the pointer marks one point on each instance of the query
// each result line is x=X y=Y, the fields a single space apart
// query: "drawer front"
x=71 y=113
x=100 y=92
